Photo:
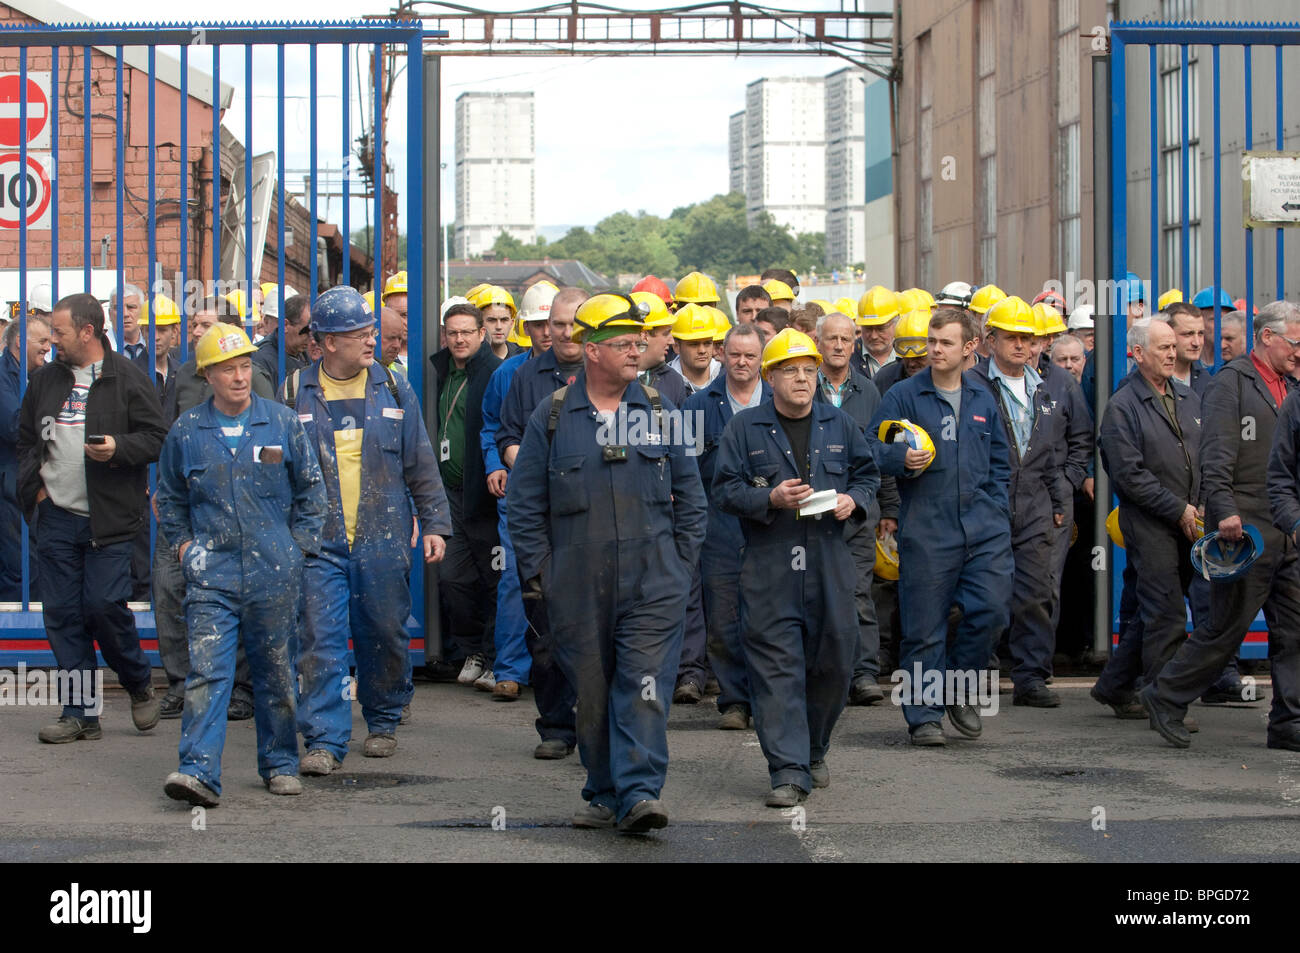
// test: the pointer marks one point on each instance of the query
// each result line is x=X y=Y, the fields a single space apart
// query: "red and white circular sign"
x=38 y=110
x=38 y=190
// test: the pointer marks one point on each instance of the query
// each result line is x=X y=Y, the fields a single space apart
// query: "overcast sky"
x=589 y=111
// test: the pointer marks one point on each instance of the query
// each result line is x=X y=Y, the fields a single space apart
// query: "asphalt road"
x=1036 y=787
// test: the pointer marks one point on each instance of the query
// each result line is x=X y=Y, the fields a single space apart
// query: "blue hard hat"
x=1220 y=561
x=1205 y=299
x=1130 y=289
x=340 y=310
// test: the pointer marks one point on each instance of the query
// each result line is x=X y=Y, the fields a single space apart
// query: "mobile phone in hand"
x=96 y=438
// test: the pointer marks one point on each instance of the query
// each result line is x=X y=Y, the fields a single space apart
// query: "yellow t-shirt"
x=346 y=401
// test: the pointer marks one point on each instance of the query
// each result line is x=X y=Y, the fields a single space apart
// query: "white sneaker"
x=474 y=666
x=486 y=682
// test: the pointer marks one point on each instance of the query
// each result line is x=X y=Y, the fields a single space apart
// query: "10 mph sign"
x=40 y=167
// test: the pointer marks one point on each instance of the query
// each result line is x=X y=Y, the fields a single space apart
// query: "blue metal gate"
x=1172 y=52
x=90 y=163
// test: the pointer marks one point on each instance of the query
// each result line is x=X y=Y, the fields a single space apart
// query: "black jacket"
x=122 y=403
x=1154 y=472
x=479 y=503
x=267 y=357
x=1238 y=421
x=1080 y=441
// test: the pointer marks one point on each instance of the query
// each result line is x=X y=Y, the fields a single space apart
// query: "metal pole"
x=429 y=325
x=1102 y=613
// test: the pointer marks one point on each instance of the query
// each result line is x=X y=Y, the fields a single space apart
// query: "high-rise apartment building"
x=785 y=151
x=494 y=170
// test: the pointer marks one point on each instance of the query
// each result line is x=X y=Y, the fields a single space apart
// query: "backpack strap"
x=553 y=421
x=290 y=394
x=392 y=385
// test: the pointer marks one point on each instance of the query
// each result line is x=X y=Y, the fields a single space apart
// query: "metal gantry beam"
x=589 y=29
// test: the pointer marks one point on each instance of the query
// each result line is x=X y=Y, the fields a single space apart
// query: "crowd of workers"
x=634 y=501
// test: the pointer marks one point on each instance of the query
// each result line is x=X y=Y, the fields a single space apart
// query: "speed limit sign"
x=39 y=176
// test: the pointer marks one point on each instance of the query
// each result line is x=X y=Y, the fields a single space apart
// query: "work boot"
x=1127 y=708
x=734 y=718
x=552 y=749
x=317 y=763
x=1037 y=696
x=821 y=775
x=379 y=746
x=593 y=816
x=172 y=706
x=928 y=734
x=1167 y=723
x=688 y=692
x=284 y=784
x=71 y=728
x=966 y=719
x=475 y=666
x=647 y=815
x=186 y=787
x=712 y=688
x=786 y=795
x=506 y=691
x=405 y=716
x=239 y=709
x=145 y=708
x=486 y=682
x=865 y=691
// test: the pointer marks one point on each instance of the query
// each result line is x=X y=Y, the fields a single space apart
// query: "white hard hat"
x=535 y=305
x=41 y=298
x=955 y=292
x=1081 y=318
x=271 y=304
x=450 y=303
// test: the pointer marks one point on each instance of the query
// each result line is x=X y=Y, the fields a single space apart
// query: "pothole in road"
x=1065 y=772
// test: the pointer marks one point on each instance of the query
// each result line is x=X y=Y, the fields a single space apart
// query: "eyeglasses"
x=362 y=336
x=792 y=373
x=457 y=335
x=622 y=347
x=1294 y=344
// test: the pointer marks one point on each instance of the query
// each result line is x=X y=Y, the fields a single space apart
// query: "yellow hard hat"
x=1047 y=320
x=920 y=295
x=904 y=431
x=494 y=294
x=369 y=298
x=1011 y=314
x=164 y=312
x=911 y=334
x=469 y=295
x=878 y=306
x=221 y=343
x=518 y=335
x=788 y=344
x=985 y=298
x=693 y=322
x=653 y=309
x=778 y=290
x=1172 y=296
x=696 y=288
x=606 y=311
x=720 y=324
x=1112 y=528
x=237 y=301
x=826 y=306
x=886 y=557
x=847 y=307
x=267 y=287
x=395 y=285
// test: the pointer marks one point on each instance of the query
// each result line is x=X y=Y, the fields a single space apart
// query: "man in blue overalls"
x=607 y=515
x=241 y=500
x=798 y=615
x=366 y=428
x=954 y=524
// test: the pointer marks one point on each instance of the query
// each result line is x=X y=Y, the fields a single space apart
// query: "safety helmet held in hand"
x=1217 y=560
x=886 y=566
x=221 y=343
x=789 y=343
x=340 y=310
x=904 y=431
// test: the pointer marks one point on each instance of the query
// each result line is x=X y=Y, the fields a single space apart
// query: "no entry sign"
x=40 y=167
x=37 y=94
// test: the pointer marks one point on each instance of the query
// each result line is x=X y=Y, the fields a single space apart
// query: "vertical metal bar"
x=54 y=178
x=150 y=301
x=1249 y=233
x=216 y=168
x=1184 y=189
x=1116 y=325
x=347 y=168
x=377 y=150
x=1218 y=230
x=249 y=280
x=1277 y=124
x=1153 y=70
x=22 y=270
x=415 y=231
x=279 y=208
x=425 y=305
x=120 y=176
x=184 y=194
x=87 y=189
x=311 y=106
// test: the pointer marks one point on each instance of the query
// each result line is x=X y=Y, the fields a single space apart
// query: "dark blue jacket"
x=533 y=380
x=1284 y=466
x=10 y=402
x=671 y=384
x=960 y=500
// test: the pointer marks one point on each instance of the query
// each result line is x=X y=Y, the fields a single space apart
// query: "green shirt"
x=451 y=433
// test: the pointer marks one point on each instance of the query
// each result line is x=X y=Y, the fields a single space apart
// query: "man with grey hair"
x=1232 y=336
x=1069 y=354
x=1150 y=443
x=134 y=346
x=1247 y=479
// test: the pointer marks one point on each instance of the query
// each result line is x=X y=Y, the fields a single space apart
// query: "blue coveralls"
x=251 y=521
x=513 y=663
x=798 y=615
x=612 y=544
x=720 y=557
x=954 y=528
x=364 y=592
